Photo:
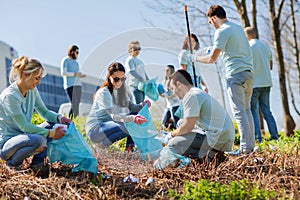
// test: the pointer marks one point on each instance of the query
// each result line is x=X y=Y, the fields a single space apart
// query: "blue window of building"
x=8 y=67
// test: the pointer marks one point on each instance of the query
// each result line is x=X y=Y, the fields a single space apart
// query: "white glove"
x=168 y=137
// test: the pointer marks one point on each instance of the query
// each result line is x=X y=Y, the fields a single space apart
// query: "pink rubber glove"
x=146 y=102
x=138 y=119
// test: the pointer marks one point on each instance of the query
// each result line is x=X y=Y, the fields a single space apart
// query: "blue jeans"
x=109 y=132
x=261 y=99
x=198 y=80
x=20 y=147
x=239 y=89
x=138 y=96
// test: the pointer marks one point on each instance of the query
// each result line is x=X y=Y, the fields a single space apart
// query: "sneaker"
x=238 y=152
x=14 y=169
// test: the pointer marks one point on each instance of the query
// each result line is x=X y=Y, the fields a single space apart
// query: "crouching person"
x=105 y=122
x=205 y=130
x=19 y=138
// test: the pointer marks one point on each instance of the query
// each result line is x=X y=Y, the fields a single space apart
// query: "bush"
x=213 y=190
x=37 y=119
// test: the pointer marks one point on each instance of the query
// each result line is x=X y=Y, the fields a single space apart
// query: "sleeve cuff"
x=59 y=118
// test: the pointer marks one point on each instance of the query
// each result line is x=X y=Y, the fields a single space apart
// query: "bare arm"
x=204 y=86
x=186 y=127
x=211 y=58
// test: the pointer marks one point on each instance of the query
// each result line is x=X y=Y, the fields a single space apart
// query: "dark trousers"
x=74 y=93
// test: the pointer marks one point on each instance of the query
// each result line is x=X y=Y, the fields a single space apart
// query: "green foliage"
x=37 y=119
x=212 y=190
x=285 y=145
x=237 y=134
x=119 y=145
x=80 y=126
x=78 y=121
x=297 y=135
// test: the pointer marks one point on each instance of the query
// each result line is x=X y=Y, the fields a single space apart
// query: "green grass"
x=236 y=190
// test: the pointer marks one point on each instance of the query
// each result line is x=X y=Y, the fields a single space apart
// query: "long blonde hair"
x=26 y=65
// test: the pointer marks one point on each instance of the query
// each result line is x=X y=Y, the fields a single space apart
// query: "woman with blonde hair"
x=135 y=69
x=19 y=138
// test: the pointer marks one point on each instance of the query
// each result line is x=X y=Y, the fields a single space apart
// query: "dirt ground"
x=269 y=169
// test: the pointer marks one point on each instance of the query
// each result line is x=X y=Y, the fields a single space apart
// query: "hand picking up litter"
x=138 y=119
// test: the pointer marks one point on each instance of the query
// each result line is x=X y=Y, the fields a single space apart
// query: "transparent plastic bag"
x=72 y=149
x=169 y=158
x=150 y=89
x=144 y=136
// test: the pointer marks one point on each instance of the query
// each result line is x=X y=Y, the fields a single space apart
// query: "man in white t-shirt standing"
x=230 y=42
x=262 y=62
x=206 y=128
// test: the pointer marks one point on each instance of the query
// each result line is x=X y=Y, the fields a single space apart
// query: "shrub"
x=212 y=190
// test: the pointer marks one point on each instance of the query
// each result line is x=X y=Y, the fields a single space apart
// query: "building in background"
x=51 y=87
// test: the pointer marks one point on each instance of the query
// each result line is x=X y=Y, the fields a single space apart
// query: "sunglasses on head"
x=117 y=79
x=136 y=48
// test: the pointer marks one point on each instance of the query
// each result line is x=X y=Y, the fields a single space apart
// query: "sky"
x=44 y=29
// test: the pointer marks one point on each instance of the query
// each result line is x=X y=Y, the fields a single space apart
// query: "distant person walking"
x=262 y=62
x=135 y=70
x=186 y=64
x=70 y=71
x=169 y=119
x=230 y=40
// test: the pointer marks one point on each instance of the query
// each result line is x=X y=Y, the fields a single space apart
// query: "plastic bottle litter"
x=149 y=181
x=161 y=135
x=273 y=148
x=105 y=176
x=130 y=179
x=258 y=160
x=65 y=127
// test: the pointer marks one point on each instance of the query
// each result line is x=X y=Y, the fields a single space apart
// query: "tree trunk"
x=242 y=10
x=289 y=123
x=295 y=43
x=254 y=13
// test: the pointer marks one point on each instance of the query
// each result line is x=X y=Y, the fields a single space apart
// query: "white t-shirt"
x=213 y=120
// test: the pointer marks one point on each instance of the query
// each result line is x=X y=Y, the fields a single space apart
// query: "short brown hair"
x=182 y=76
x=216 y=10
x=250 y=32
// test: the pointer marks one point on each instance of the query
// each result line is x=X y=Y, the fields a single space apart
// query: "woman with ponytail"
x=19 y=138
